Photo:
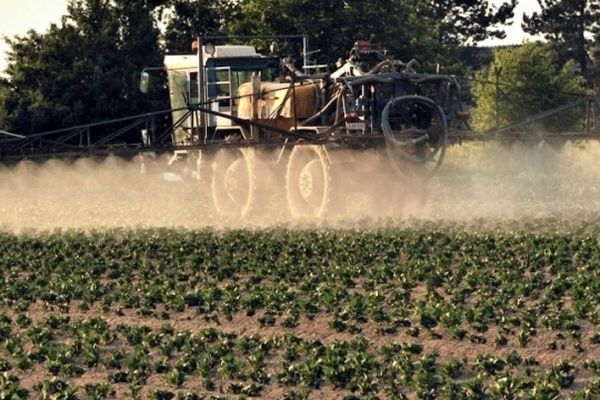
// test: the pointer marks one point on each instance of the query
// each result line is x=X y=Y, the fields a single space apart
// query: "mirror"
x=144 y=82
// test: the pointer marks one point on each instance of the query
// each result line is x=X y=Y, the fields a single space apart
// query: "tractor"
x=254 y=123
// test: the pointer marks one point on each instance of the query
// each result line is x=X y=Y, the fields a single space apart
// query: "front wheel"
x=233 y=182
x=308 y=181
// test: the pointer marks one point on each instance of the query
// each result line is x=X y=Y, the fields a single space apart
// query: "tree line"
x=86 y=67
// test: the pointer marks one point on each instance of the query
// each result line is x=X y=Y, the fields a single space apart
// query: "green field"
x=434 y=311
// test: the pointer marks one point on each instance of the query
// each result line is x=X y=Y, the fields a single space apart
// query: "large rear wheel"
x=233 y=182
x=308 y=181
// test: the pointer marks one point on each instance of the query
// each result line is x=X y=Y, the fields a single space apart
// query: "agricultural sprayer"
x=245 y=124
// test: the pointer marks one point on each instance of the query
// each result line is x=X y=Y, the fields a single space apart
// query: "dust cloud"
x=517 y=181
x=477 y=180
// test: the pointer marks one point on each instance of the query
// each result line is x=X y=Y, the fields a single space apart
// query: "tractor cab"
x=211 y=80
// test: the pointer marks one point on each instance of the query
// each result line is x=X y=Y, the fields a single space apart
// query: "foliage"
x=185 y=20
x=353 y=20
x=568 y=25
x=82 y=70
x=529 y=82
x=429 y=30
x=185 y=308
x=464 y=21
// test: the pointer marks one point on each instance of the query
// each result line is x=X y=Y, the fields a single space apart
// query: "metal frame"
x=80 y=140
x=83 y=139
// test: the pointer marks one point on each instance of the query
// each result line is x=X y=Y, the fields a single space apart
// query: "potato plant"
x=433 y=311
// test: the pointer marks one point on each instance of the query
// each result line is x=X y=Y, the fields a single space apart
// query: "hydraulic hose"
x=320 y=112
x=380 y=65
x=368 y=80
x=399 y=145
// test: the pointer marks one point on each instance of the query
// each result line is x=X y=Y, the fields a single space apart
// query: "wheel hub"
x=308 y=181
x=234 y=183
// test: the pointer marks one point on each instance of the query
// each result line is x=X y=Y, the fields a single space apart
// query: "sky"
x=514 y=33
x=18 y=16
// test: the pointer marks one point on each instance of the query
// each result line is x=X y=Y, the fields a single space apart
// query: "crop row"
x=209 y=361
x=431 y=313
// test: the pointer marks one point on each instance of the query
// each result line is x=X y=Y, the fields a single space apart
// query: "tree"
x=452 y=24
x=185 y=20
x=568 y=25
x=84 y=69
x=4 y=93
x=466 y=21
x=530 y=82
x=39 y=92
x=289 y=17
x=431 y=30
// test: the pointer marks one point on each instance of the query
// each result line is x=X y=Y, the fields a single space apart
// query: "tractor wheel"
x=308 y=181
x=233 y=182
